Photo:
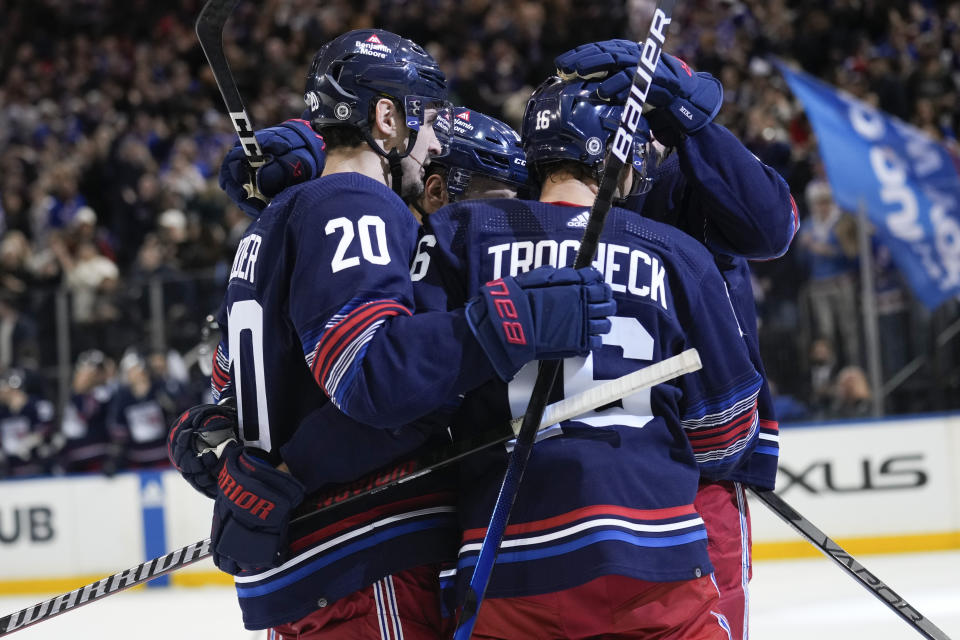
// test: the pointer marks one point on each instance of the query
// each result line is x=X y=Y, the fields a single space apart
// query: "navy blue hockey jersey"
x=139 y=424
x=87 y=441
x=613 y=491
x=318 y=316
x=24 y=431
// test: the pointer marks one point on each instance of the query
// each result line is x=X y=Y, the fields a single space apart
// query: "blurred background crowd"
x=116 y=241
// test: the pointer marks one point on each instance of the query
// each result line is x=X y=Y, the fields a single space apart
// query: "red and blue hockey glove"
x=294 y=153
x=196 y=443
x=251 y=514
x=683 y=101
x=543 y=314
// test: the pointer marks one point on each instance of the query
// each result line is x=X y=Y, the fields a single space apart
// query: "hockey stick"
x=209 y=28
x=566 y=409
x=848 y=563
x=616 y=159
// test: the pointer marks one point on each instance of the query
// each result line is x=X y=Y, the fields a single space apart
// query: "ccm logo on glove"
x=244 y=499
x=513 y=331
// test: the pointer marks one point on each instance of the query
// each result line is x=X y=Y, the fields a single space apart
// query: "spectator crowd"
x=112 y=131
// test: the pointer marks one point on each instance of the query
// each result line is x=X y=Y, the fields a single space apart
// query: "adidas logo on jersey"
x=580 y=222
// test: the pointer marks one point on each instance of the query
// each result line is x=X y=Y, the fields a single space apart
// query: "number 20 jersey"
x=611 y=492
x=319 y=305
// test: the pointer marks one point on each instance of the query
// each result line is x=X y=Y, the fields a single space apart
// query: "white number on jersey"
x=422 y=261
x=366 y=228
x=578 y=376
x=245 y=323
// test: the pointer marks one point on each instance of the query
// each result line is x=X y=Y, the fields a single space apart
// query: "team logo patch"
x=342 y=111
x=593 y=146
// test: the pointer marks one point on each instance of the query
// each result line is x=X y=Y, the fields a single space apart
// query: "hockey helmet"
x=567 y=121
x=353 y=70
x=485 y=146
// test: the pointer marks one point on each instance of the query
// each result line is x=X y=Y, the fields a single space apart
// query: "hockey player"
x=713 y=188
x=83 y=441
x=605 y=539
x=485 y=161
x=318 y=311
x=26 y=427
x=138 y=415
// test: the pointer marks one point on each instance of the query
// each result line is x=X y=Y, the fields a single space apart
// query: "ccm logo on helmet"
x=513 y=331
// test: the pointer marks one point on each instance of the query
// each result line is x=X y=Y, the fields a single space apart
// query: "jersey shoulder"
x=685 y=251
x=473 y=211
x=459 y=220
x=351 y=195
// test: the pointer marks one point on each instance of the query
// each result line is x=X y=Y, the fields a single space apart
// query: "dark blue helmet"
x=485 y=146
x=353 y=70
x=567 y=121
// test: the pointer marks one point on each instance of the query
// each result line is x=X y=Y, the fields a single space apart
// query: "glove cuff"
x=498 y=318
x=312 y=141
x=685 y=116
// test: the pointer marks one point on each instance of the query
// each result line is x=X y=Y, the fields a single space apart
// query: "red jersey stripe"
x=587 y=512
x=361 y=519
x=335 y=340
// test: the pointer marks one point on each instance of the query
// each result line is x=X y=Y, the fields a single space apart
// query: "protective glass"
x=643 y=155
x=417 y=108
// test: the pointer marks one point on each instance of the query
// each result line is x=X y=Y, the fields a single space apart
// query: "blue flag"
x=908 y=183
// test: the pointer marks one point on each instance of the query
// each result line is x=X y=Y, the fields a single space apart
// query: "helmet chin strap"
x=394 y=158
x=396 y=171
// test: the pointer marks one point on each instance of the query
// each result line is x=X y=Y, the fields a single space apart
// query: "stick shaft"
x=108 y=586
x=209 y=30
x=850 y=565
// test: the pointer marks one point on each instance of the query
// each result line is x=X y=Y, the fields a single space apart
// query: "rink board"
x=883 y=486
x=876 y=487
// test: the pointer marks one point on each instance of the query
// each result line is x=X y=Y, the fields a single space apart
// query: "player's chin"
x=412 y=188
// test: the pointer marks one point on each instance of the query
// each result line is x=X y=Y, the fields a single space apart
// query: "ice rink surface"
x=791 y=600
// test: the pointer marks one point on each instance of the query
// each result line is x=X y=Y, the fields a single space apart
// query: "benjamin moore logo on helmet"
x=342 y=111
x=594 y=146
x=462 y=123
x=373 y=46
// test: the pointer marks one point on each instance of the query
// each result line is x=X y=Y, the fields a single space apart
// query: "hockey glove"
x=543 y=314
x=683 y=101
x=294 y=153
x=196 y=443
x=251 y=514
